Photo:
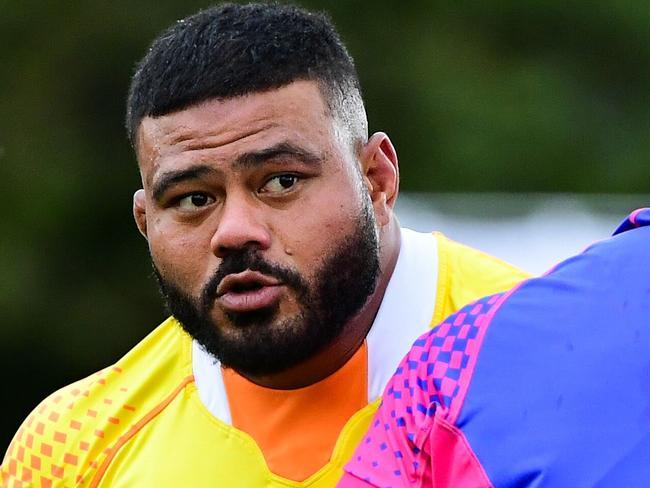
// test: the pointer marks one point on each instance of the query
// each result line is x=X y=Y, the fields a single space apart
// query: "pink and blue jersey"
x=547 y=385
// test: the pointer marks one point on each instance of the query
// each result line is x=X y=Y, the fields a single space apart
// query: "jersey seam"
x=122 y=440
x=461 y=437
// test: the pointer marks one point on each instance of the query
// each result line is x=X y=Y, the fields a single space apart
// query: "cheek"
x=339 y=211
x=180 y=256
x=318 y=227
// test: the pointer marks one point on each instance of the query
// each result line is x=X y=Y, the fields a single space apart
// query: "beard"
x=263 y=342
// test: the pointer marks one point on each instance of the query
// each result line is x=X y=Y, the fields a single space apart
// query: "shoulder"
x=472 y=262
x=67 y=436
x=466 y=274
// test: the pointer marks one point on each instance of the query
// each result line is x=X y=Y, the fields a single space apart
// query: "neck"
x=334 y=356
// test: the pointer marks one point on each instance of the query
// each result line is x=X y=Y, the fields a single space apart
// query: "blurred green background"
x=492 y=96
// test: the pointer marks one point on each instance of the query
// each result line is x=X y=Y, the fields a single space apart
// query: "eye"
x=279 y=183
x=194 y=201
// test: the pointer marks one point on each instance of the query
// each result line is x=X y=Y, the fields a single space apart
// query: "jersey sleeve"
x=59 y=442
x=73 y=435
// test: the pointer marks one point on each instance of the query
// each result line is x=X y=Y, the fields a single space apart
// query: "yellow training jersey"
x=141 y=423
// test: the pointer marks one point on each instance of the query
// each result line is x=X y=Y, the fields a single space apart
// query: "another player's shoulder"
x=438 y=367
x=426 y=394
x=66 y=438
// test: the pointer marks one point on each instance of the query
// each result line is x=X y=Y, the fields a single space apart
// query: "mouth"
x=248 y=291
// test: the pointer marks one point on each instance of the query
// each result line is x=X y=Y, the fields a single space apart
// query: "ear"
x=381 y=175
x=140 y=211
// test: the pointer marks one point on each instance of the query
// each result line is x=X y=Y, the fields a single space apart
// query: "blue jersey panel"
x=560 y=395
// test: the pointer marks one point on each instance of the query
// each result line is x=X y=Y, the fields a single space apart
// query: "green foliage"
x=477 y=96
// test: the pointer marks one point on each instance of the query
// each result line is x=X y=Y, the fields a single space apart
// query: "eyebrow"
x=171 y=178
x=283 y=149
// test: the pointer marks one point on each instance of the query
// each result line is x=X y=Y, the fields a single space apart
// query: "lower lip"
x=251 y=300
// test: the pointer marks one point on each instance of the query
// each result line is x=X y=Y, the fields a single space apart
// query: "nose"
x=240 y=225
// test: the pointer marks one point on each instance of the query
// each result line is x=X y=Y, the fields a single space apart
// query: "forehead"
x=295 y=113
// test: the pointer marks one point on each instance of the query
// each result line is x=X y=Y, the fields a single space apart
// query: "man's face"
x=260 y=228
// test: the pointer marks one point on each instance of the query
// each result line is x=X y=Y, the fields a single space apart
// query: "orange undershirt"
x=297 y=429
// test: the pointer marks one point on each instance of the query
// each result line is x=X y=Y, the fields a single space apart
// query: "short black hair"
x=232 y=50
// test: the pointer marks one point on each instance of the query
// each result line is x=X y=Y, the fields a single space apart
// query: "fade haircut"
x=232 y=50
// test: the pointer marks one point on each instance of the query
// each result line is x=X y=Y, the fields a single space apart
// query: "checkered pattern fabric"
x=431 y=381
x=55 y=448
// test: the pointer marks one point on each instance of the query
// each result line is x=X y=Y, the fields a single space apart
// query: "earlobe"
x=381 y=174
x=140 y=211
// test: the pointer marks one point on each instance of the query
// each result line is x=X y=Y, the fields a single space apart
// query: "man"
x=269 y=217
x=547 y=385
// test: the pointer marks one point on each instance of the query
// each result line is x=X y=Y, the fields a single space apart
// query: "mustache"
x=241 y=260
